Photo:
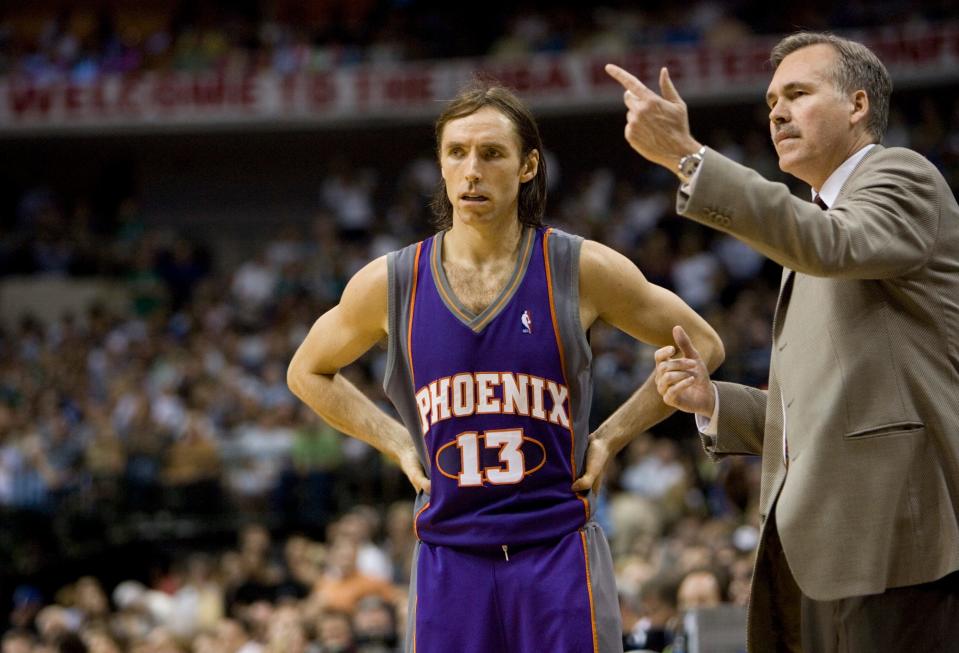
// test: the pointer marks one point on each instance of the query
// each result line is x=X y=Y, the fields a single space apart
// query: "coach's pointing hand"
x=684 y=382
x=656 y=126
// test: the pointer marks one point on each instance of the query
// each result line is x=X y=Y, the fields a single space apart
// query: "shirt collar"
x=830 y=189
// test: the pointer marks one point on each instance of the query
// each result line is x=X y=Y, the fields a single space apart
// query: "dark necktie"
x=820 y=203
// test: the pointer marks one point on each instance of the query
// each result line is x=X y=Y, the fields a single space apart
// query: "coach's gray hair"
x=857 y=68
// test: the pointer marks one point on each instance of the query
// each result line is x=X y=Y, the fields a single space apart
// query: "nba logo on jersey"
x=527 y=322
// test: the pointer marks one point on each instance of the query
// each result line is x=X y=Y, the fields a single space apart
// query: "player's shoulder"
x=378 y=271
x=599 y=258
x=401 y=262
x=562 y=244
x=369 y=281
x=406 y=250
x=364 y=301
x=606 y=275
x=557 y=235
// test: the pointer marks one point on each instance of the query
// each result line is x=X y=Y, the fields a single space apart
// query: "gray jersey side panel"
x=398 y=380
x=564 y=250
x=609 y=629
x=409 y=643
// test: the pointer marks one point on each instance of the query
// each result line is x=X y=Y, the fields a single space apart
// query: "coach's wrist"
x=688 y=163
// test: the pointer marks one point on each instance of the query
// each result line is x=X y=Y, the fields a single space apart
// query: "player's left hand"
x=409 y=462
x=597 y=455
x=656 y=126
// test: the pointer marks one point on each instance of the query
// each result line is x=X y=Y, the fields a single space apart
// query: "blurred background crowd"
x=162 y=491
x=288 y=36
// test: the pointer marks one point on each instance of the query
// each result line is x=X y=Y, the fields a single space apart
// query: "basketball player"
x=489 y=370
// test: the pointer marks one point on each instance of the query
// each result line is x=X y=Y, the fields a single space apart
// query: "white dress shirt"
x=828 y=194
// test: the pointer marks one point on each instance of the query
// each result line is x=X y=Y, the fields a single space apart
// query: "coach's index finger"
x=629 y=81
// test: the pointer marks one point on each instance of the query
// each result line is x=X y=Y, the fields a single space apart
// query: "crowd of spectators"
x=346 y=595
x=86 y=39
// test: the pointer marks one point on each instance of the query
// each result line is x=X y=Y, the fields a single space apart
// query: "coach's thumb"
x=684 y=343
x=666 y=86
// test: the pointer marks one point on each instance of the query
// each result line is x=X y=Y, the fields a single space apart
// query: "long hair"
x=531 y=203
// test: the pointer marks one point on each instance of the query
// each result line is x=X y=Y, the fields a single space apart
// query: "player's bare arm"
x=614 y=290
x=337 y=338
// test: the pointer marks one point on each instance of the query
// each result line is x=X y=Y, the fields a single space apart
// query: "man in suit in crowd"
x=859 y=429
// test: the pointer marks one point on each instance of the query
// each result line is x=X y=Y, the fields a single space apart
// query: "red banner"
x=565 y=82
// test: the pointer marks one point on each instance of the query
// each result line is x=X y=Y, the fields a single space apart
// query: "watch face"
x=689 y=164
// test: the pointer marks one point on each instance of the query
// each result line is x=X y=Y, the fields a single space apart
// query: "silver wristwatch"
x=689 y=163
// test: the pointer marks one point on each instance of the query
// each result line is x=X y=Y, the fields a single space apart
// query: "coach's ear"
x=530 y=166
x=859 y=107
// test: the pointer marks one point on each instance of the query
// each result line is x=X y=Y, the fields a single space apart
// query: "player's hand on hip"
x=683 y=382
x=656 y=126
x=409 y=462
x=597 y=455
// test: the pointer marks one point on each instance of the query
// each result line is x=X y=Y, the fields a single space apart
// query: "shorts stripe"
x=589 y=588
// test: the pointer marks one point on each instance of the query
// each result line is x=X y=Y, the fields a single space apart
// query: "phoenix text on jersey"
x=492 y=393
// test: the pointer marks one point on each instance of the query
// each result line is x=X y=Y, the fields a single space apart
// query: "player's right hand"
x=683 y=382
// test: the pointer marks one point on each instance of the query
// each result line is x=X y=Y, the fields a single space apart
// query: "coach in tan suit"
x=859 y=430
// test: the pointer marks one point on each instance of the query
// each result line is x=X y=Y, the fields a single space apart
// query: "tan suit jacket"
x=864 y=369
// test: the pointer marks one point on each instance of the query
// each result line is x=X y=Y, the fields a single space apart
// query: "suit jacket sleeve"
x=742 y=411
x=883 y=225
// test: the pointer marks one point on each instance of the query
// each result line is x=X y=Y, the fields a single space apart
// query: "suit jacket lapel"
x=785 y=292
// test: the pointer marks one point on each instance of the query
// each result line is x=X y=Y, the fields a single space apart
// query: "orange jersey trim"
x=409 y=353
x=492 y=311
x=589 y=589
x=562 y=362
x=508 y=293
x=449 y=301
x=416 y=530
x=409 y=327
x=416 y=605
x=559 y=343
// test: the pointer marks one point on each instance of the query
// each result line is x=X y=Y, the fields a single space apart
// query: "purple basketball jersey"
x=491 y=405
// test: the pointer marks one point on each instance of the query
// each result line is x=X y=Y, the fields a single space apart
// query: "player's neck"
x=482 y=243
